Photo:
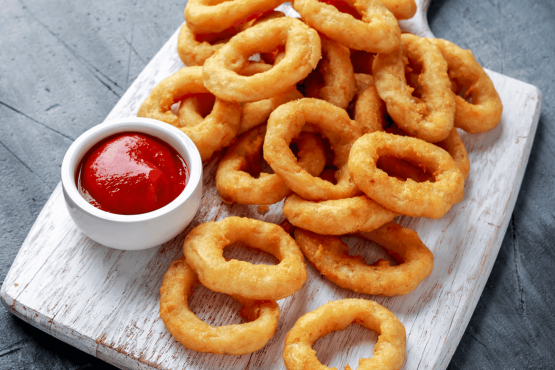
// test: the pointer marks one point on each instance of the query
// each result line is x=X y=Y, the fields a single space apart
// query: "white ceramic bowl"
x=133 y=232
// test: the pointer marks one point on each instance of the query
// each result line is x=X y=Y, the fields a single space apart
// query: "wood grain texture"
x=105 y=301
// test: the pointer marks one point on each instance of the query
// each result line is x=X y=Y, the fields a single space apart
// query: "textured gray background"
x=64 y=65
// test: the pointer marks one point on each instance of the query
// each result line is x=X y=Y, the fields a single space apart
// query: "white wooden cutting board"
x=106 y=301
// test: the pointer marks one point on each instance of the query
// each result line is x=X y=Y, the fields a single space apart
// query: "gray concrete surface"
x=64 y=65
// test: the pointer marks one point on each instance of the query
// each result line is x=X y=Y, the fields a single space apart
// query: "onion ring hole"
x=258 y=164
x=241 y=252
x=203 y=102
x=355 y=337
x=215 y=309
x=362 y=61
x=401 y=168
x=412 y=73
x=371 y=252
x=404 y=169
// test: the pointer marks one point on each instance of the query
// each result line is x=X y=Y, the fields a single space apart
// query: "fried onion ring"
x=194 y=109
x=403 y=169
x=484 y=113
x=453 y=145
x=415 y=199
x=204 y=246
x=209 y=16
x=336 y=217
x=193 y=52
x=179 y=283
x=272 y=14
x=364 y=80
x=237 y=186
x=377 y=31
x=302 y=52
x=216 y=131
x=369 y=108
x=256 y=113
x=401 y=9
x=334 y=123
x=431 y=117
x=339 y=84
x=330 y=256
x=389 y=351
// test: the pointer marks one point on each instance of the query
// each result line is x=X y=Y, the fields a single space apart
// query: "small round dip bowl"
x=142 y=231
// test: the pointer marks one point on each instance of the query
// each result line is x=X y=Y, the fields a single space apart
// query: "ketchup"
x=131 y=173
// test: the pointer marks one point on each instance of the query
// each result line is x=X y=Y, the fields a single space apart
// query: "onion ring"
x=430 y=118
x=237 y=186
x=426 y=199
x=189 y=330
x=194 y=52
x=272 y=14
x=334 y=123
x=486 y=109
x=330 y=256
x=364 y=80
x=377 y=31
x=389 y=351
x=403 y=169
x=209 y=16
x=194 y=48
x=453 y=145
x=369 y=108
x=256 y=113
x=336 y=217
x=288 y=227
x=401 y=9
x=193 y=109
x=339 y=84
x=204 y=246
x=302 y=52
x=217 y=130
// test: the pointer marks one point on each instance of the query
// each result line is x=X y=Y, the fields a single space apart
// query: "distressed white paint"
x=106 y=301
x=418 y=24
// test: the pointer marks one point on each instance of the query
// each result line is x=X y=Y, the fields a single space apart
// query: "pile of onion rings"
x=358 y=123
x=216 y=131
x=286 y=122
x=237 y=185
x=338 y=84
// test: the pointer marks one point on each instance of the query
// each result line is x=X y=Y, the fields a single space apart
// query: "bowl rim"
x=185 y=147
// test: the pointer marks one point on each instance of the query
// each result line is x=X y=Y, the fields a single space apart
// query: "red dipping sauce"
x=131 y=173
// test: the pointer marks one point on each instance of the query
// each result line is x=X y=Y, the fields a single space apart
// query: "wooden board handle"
x=419 y=23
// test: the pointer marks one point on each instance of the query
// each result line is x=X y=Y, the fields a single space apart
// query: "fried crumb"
x=263 y=209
